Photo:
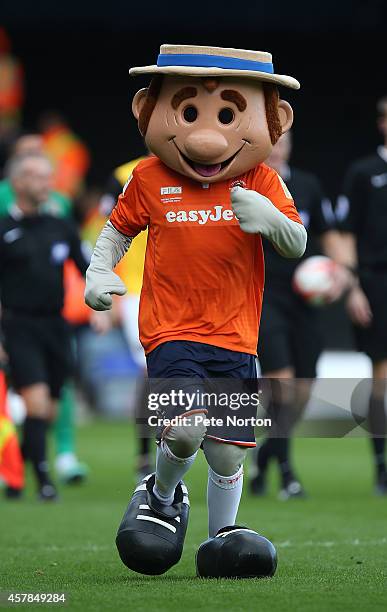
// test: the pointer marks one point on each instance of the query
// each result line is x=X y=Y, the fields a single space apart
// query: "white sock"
x=169 y=471
x=223 y=497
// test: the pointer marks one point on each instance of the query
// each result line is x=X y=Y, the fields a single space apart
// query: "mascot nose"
x=205 y=145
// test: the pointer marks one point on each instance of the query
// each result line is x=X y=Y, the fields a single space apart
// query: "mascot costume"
x=210 y=116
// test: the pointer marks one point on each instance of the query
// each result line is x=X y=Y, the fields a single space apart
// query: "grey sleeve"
x=110 y=248
x=101 y=281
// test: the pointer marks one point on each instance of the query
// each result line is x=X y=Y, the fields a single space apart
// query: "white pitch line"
x=94 y=548
x=330 y=543
x=86 y=548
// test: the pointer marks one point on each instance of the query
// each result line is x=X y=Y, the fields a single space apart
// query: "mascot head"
x=212 y=113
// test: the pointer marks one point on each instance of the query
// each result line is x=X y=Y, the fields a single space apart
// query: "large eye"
x=226 y=115
x=190 y=114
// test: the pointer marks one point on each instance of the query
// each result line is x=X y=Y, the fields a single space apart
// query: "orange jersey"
x=203 y=276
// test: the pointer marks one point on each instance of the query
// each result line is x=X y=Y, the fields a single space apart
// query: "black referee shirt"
x=33 y=250
x=317 y=216
x=362 y=209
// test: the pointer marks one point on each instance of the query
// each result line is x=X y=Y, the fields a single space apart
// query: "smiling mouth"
x=208 y=170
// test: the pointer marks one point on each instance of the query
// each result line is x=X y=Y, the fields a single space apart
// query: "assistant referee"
x=33 y=249
x=362 y=213
x=290 y=340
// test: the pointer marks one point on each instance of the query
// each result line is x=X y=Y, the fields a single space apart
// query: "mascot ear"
x=138 y=102
x=285 y=113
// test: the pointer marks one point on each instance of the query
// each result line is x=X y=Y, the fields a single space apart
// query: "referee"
x=33 y=249
x=290 y=341
x=362 y=213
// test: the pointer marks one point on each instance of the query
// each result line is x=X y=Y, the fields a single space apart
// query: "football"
x=314 y=278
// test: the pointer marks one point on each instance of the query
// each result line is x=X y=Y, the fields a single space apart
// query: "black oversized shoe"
x=236 y=552
x=151 y=536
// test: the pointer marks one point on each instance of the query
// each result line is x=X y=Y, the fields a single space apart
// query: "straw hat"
x=201 y=61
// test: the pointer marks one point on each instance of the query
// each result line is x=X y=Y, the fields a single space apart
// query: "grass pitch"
x=332 y=547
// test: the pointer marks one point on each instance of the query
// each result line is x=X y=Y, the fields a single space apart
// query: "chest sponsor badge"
x=171 y=194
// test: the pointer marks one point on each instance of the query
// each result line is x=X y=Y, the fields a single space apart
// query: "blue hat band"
x=212 y=61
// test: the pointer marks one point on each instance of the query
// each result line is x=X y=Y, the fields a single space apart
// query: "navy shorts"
x=208 y=376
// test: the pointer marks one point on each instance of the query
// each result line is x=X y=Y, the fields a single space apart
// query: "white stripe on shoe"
x=143 y=507
x=153 y=519
x=141 y=487
x=227 y=533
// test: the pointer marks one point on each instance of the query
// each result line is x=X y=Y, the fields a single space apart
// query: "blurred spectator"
x=89 y=216
x=362 y=212
x=68 y=155
x=11 y=96
x=57 y=204
x=131 y=269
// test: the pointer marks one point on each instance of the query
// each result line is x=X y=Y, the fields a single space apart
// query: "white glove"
x=257 y=215
x=101 y=281
x=100 y=284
